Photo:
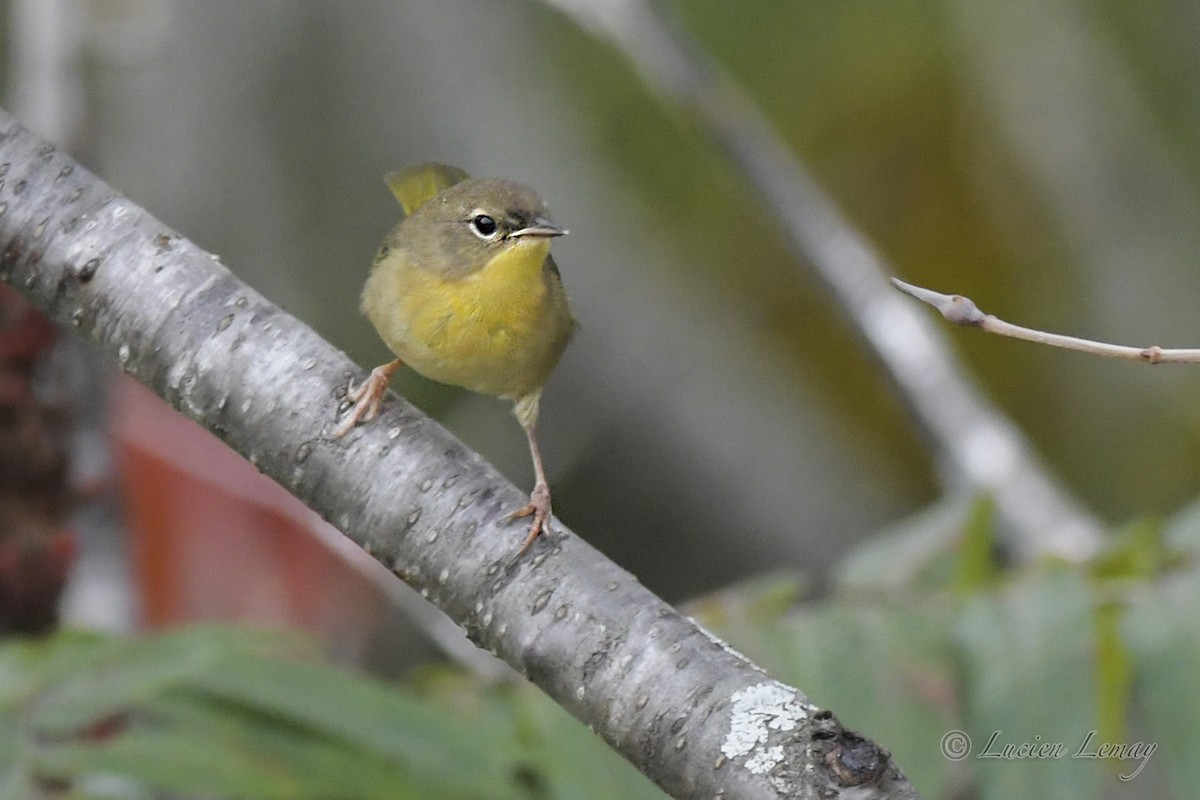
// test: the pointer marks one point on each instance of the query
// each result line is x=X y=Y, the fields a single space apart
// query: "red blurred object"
x=211 y=538
x=214 y=539
x=36 y=549
x=33 y=571
x=25 y=332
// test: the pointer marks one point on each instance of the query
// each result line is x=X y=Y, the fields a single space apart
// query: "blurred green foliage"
x=1073 y=656
x=1049 y=653
x=233 y=713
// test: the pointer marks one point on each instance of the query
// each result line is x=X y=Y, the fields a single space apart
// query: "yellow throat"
x=488 y=315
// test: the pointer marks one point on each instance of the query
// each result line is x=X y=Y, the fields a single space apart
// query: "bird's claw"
x=539 y=509
x=367 y=398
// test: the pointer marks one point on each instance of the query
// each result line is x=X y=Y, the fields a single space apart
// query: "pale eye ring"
x=484 y=226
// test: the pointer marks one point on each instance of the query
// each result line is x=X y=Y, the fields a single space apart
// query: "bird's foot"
x=539 y=509
x=367 y=398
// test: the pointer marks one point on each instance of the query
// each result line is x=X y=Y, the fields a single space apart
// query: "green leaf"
x=15 y=784
x=1138 y=551
x=913 y=555
x=1162 y=631
x=975 y=567
x=1182 y=530
x=1114 y=674
x=221 y=712
x=116 y=680
x=255 y=762
x=18 y=660
x=765 y=598
x=1029 y=663
x=84 y=678
x=367 y=714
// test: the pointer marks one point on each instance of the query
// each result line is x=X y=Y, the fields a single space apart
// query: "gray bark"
x=696 y=717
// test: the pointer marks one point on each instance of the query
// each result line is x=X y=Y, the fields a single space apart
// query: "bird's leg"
x=539 y=498
x=367 y=397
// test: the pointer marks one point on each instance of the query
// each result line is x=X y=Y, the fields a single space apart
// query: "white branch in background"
x=977 y=448
x=963 y=311
x=45 y=83
x=662 y=692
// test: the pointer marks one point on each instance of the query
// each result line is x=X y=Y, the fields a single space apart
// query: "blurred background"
x=716 y=416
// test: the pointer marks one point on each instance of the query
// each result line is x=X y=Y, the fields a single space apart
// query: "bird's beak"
x=540 y=227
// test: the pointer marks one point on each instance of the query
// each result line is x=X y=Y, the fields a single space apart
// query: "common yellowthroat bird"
x=465 y=292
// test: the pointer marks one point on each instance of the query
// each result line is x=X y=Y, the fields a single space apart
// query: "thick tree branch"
x=693 y=715
x=977 y=446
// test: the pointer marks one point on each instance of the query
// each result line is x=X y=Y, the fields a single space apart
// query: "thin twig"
x=962 y=311
x=977 y=447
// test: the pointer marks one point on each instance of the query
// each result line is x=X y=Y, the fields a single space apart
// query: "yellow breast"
x=498 y=331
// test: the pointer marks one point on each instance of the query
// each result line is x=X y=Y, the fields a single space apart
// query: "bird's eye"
x=483 y=226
